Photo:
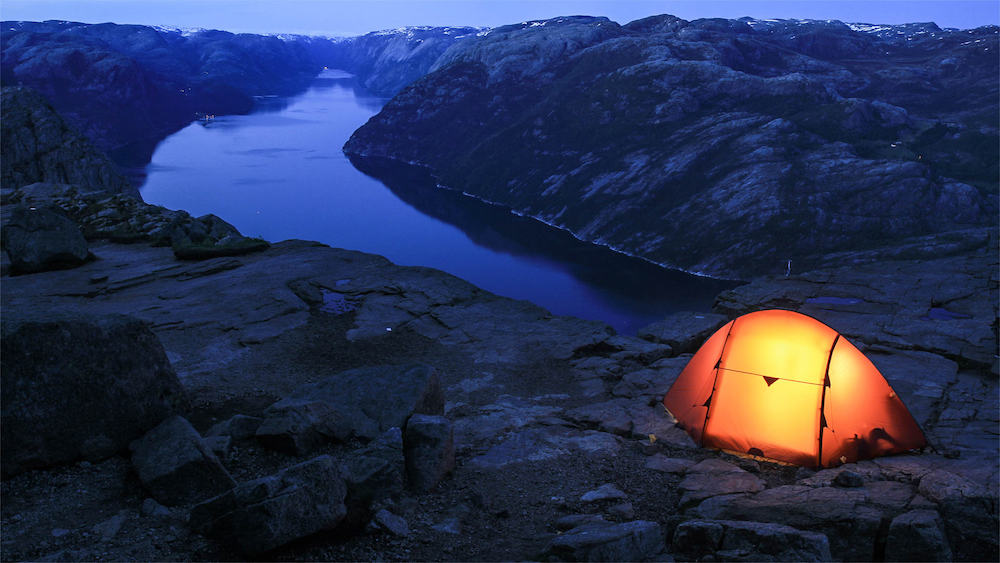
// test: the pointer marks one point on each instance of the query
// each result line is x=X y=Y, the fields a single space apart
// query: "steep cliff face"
x=127 y=86
x=721 y=146
x=38 y=146
x=387 y=61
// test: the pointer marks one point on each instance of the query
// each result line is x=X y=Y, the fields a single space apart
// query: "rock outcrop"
x=723 y=147
x=38 y=146
x=117 y=217
x=79 y=386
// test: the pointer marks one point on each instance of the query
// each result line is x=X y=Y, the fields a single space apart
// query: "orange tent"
x=781 y=385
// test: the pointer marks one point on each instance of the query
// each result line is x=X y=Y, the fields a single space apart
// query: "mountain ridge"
x=702 y=144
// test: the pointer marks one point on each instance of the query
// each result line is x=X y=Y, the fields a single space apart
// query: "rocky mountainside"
x=387 y=61
x=127 y=86
x=38 y=146
x=721 y=146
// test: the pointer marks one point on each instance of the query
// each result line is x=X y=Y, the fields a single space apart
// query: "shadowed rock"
x=176 y=466
x=917 y=535
x=429 y=446
x=363 y=402
x=596 y=541
x=748 y=541
x=260 y=515
x=39 y=239
x=38 y=146
x=79 y=386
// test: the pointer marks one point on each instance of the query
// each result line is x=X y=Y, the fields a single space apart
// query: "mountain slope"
x=387 y=61
x=721 y=146
x=38 y=146
x=127 y=86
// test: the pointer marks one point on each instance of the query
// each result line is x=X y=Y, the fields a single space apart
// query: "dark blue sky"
x=352 y=17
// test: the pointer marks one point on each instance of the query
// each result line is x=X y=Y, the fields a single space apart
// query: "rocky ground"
x=386 y=412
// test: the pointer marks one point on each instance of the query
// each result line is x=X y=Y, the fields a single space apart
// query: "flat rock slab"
x=851 y=525
x=632 y=541
x=537 y=444
x=713 y=477
x=631 y=418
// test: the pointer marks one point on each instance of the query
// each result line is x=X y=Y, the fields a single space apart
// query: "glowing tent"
x=781 y=385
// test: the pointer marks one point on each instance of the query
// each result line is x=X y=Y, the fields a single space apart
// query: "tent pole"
x=715 y=382
x=822 y=403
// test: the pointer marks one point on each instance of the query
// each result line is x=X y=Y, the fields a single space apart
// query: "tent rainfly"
x=784 y=386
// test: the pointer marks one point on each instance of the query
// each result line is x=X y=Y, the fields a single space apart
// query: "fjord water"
x=279 y=173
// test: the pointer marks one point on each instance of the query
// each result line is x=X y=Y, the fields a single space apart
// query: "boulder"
x=631 y=541
x=79 y=386
x=39 y=239
x=176 y=466
x=684 y=331
x=917 y=535
x=260 y=515
x=362 y=403
x=713 y=477
x=728 y=540
x=429 y=447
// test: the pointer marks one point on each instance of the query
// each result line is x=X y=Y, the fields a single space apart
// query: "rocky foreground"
x=309 y=402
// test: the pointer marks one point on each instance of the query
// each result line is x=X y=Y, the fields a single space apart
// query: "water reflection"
x=643 y=289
